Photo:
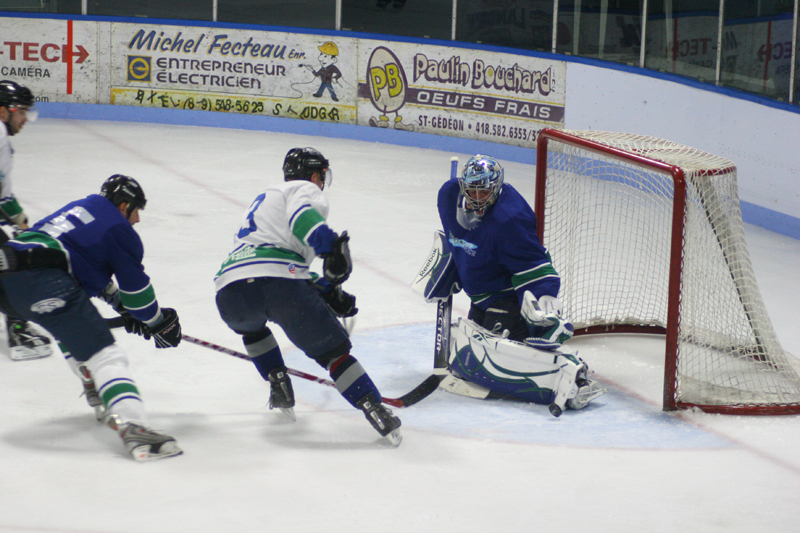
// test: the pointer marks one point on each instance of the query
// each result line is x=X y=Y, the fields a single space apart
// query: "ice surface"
x=466 y=465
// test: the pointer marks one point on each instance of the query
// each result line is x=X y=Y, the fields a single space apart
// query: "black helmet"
x=14 y=94
x=302 y=163
x=119 y=189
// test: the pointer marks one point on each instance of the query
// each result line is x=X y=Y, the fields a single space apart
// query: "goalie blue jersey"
x=99 y=243
x=500 y=256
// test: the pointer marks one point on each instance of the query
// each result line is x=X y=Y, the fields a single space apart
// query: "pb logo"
x=139 y=68
x=387 y=80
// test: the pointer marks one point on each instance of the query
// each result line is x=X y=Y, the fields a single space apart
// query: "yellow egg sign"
x=386 y=80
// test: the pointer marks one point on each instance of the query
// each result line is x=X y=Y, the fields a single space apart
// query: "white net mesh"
x=608 y=225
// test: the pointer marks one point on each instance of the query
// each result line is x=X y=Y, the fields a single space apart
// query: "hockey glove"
x=168 y=332
x=337 y=265
x=340 y=302
x=548 y=331
x=132 y=325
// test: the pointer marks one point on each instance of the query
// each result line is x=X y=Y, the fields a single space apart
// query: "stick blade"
x=422 y=391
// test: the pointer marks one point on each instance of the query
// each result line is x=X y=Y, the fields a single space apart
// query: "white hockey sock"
x=113 y=380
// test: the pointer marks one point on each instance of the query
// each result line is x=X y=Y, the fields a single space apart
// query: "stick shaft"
x=420 y=392
x=210 y=345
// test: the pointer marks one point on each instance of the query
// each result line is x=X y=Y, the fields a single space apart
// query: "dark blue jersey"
x=99 y=242
x=502 y=254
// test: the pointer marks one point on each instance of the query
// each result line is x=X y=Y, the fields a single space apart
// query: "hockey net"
x=647 y=235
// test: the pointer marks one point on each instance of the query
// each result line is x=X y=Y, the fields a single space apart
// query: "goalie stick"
x=444 y=312
x=421 y=391
x=447 y=381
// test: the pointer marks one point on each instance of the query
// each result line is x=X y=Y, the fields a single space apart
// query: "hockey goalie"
x=511 y=343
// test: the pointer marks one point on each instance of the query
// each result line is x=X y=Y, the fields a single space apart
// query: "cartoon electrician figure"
x=329 y=72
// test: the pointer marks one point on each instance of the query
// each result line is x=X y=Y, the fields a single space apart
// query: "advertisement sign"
x=55 y=59
x=239 y=71
x=486 y=96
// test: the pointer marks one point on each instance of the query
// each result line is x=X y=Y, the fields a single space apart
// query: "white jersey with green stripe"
x=273 y=238
x=8 y=202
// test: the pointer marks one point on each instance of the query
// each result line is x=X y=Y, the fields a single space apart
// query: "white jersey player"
x=16 y=104
x=266 y=278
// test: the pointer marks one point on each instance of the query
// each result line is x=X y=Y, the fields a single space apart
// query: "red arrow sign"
x=81 y=54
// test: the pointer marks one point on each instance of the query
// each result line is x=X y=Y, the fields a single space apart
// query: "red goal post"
x=647 y=235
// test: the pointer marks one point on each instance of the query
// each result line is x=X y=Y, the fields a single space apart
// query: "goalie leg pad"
x=504 y=366
x=566 y=388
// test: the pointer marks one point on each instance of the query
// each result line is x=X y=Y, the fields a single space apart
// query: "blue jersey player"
x=95 y=239
x=511 y=343
x=500 y=263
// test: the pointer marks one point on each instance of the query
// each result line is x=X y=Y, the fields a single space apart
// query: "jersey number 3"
x=244 y=231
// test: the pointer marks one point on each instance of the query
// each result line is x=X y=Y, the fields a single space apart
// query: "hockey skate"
x=92 y=396
x=588 y=390
x=25 y=343
x=143 y=444
x=381 y=419
x=281 y=394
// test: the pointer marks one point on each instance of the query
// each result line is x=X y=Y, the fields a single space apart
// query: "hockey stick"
x=422 y=390
x=444 y=311
x=447 y=381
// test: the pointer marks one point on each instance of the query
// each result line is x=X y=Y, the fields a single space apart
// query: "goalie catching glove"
x=548 y=331
x=167 y=333
x=337 y=265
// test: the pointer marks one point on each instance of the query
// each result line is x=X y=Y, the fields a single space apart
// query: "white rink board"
x=37 y=54
x=222 y=69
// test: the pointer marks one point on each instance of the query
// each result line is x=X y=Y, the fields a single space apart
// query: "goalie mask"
x=481 y=182
x=302 y=163
x=123 y=189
